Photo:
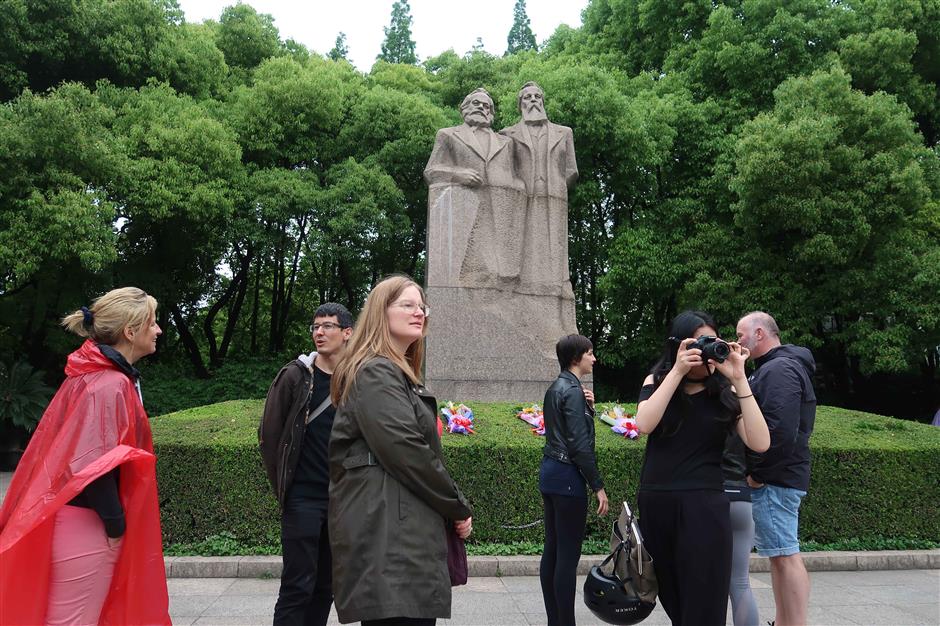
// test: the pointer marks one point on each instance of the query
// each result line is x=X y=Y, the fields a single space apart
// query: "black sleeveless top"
x=684 y=451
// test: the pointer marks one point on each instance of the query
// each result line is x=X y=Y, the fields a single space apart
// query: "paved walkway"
x=898 y=598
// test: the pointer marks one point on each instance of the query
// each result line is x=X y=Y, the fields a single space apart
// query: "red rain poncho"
x=94 y=423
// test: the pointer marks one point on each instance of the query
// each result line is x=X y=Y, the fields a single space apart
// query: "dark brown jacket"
x=390 y=498
x=281 y=432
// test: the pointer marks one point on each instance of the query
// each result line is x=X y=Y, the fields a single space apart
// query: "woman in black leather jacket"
x=568 y=462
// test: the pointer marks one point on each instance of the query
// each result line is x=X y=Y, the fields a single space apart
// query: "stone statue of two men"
x=497 y=264
x=505 y=198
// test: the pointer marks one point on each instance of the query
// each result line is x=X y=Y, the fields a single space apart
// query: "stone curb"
x=481 y=566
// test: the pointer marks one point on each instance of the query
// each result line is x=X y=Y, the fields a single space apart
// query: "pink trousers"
x=82 y=567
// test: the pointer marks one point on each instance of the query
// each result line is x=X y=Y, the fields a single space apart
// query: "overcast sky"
x=438 y=24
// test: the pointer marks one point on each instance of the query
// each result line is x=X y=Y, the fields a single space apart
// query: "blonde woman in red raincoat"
x=80 y=535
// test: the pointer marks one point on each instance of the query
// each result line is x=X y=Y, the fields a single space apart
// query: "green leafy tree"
x=290 y=114
x=745 y=52
x=405 y=78
x=285 y=200
x=191 y=62
x=57 y=157
x=296 y=50
x=395 y=131
x=340 y=48
x=895 y=47
x=50 y=41
x=247 y=37
x=176 y=196
x=638 y=35
x=398 y=46
x=520 y=37
x=442 y=61
x=359 y=228
x=839 y=197
x=651 y=256
x=127 y=34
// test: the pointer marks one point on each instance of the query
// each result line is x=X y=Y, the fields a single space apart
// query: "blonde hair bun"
x=107 y=317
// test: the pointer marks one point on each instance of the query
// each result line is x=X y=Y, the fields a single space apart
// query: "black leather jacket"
x=569 y=428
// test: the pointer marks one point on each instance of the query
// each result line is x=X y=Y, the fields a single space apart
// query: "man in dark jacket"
x=294 y=437
x=783 y=387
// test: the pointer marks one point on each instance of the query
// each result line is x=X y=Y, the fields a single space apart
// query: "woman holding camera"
x=696 y=393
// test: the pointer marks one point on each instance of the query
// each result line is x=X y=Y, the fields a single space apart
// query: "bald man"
x=782 y=384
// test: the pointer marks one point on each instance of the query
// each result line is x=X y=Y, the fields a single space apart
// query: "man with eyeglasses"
x=294 y=437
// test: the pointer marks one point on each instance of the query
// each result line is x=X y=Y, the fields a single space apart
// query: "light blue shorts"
x=776 y=513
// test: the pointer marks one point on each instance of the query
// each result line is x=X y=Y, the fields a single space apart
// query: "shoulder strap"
x=312 y=415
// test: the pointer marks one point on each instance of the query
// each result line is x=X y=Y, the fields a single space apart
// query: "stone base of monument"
x=480 y=348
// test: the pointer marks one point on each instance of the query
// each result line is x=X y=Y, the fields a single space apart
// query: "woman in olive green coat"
x=390 y=494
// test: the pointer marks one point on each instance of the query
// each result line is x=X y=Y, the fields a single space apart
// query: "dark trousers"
x=400 y=621
x=564 y=531
x=307 y=579
x=688 y=534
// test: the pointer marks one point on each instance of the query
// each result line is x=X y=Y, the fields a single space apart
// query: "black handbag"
x=456 y=557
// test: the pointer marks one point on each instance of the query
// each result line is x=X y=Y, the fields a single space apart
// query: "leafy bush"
x=23 y=395
x=874 y=478
x=223 y=544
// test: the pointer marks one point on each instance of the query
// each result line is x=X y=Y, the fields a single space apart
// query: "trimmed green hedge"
x=873 y=477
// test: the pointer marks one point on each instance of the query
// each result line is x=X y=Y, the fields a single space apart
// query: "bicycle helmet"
x=610 y=601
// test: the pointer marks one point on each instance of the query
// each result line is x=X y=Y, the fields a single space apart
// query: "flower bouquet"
x=532 y=415
x=620 y=422
x=459 y=418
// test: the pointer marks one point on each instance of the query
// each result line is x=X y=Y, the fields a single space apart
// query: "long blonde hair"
x=372 y=338
x=109 y=315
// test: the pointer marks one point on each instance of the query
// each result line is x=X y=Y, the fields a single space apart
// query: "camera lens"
x=722 y=350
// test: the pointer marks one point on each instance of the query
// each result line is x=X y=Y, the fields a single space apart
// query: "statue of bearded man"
x=544 y=158
x=472 y=184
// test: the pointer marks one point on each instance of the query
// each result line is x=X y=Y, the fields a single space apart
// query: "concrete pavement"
x=899 y=598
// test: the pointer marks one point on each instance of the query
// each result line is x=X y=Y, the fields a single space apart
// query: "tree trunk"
x=289 y=295
x=235 y=310
x=277 y=292
x=216 y=356
x=254 y=308
x=345 y=281
x=189 y=342
x=207 y=324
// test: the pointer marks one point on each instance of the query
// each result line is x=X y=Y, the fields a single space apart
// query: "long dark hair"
x=683 y=327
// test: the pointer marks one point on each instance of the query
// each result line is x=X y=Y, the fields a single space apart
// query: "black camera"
x=712 y=348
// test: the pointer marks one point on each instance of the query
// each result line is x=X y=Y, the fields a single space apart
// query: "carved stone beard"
x=533 y=113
